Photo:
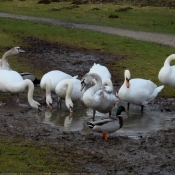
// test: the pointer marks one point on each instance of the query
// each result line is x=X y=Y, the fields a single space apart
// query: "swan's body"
x=138 y=91
x=99 y=98
x=49 y=82
x=11 y=81
x=103 y=72
x=167 y=73
x=110 y=125
x=70 y=90
x=4 y=65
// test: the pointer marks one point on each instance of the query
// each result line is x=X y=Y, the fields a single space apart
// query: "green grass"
x=18 y=156
x=153 y=19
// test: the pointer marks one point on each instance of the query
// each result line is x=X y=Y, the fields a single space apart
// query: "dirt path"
x=163 y=39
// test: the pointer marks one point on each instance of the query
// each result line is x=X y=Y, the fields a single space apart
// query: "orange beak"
x=127 y=83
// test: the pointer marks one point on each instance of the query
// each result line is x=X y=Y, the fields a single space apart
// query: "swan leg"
x=17 y=101
x=142 y=108
x=128 y=106
x=110 y=114
x=59 y=103
x=94 y=115
x=105 y=136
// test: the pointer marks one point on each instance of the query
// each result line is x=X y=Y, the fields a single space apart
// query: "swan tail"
x=158 y=89
x=155 y=93
x=75 y=77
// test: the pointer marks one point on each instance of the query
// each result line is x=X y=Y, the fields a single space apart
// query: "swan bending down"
x=167 y=73
x=138 y=91
x=103 y=72
x=49 y=82
x=70 y=90
x=108 y=125
x=11 y=81
x=99 y=98
x=4 y=61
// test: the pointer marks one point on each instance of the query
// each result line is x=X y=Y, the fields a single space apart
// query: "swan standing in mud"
x=99 y=98
x=167 y=73
x=138 y=91
x=11 y=81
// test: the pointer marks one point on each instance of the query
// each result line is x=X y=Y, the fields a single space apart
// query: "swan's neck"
x=48 y=91
x=5 y=58
x=98 y=84
x=107 y=82
x=30 y=86
x=22 y=86
x=127 y=76
x=169 y=59
x=68 y=93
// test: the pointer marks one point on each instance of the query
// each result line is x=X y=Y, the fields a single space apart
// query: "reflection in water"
x=135 y=123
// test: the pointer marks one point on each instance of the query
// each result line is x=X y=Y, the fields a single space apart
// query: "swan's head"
x=49 y=101
x=36 y=105
x=127 y=78
x=69 y=105
x=16 y=50
x=88 y=78
x=83 y=84
x=39 y=107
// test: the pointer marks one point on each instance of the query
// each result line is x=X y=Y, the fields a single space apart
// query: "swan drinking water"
x=70 y=90
x=138 y=91
x=11 y=81
x=99 y=98
x=49 y=82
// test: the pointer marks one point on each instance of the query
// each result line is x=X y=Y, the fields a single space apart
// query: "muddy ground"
x=150 y=154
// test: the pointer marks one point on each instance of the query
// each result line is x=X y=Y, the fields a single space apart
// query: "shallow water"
x=135 y=122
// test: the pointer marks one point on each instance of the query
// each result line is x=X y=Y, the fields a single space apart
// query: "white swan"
x=138 y=91
x=11 y=81
x=99 y=98
x=103 y=72
x=4 y=61
x=70 y=90
x=167 y=73
x=49 y=82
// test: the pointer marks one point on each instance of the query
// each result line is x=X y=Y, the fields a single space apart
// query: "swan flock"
x=100 y=94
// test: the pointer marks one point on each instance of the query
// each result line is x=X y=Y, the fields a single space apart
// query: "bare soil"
x=153 y=153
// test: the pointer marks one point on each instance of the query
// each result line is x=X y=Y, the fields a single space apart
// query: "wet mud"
x=153 y=153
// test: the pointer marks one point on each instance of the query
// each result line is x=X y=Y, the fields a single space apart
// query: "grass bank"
x=18 y=156
x=124 y=14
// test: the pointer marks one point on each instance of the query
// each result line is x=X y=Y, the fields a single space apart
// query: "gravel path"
x=163 y=39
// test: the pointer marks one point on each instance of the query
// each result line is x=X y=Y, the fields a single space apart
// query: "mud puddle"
x=135 y=123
